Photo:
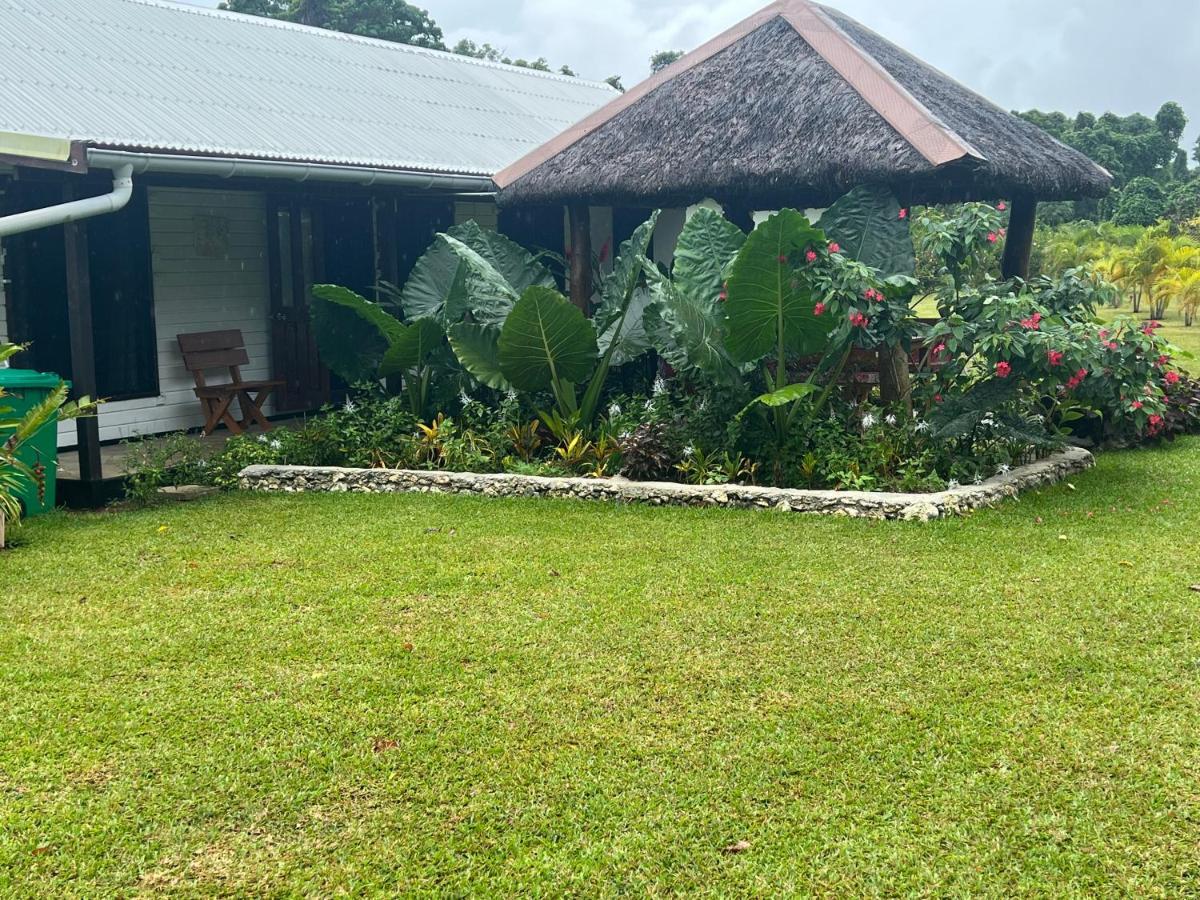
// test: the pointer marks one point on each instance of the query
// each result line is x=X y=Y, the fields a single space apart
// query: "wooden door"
x=294 y=242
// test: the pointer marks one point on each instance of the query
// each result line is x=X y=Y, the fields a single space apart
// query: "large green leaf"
x=446 y=283
x=706 y=248
x=688 y=332
x=546 y=340
x=412 y=348
x=630 y=332
x=351 y=332
x=768 y=305
x=867 y=224
x=478 y=349
x=618 y=287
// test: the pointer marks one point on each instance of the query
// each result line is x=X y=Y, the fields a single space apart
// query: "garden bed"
x=865 y=504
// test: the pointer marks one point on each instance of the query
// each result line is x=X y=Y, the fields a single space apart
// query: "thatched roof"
x=795 y=106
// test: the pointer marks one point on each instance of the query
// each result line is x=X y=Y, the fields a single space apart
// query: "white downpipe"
x=63 y=213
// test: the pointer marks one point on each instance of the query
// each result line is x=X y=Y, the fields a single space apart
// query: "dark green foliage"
x=650 y=452
x=869 y=226
x=1142 y=202
x=387 y=20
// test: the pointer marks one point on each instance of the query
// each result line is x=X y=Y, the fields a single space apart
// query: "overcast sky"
x=1068 y=55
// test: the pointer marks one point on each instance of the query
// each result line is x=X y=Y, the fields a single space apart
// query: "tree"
x=1183 y=203
x=615 y=81
x=1143 y=202
x=1179 y=168
x=664 y=58
x=1171 y=120
x=387 y=20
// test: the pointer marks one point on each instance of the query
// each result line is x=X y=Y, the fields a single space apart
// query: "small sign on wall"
x=211 y=236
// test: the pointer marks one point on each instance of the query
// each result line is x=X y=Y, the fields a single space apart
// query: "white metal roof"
x=150 y=75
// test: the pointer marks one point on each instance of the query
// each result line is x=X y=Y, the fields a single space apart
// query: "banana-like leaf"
x=866 y=223
x=351 y=332
x=768 y=305
x=416 y=344
x=445 y=285
x=546 y=341
x=478 y=349
x=706 y=248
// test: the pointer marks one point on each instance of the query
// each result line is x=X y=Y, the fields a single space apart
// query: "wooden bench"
x=226 y=350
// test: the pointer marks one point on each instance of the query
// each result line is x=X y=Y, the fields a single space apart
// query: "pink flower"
x=723 y=296
x=1162 y=361
x=1156 y=423
x=993 y=237
x=904 y=213
x=1081 y=374
x=1103 y=333
x=938 y=398
x=1172 y=378
x=1002 y=206
x=857 y=319
x=811 y=256
x=1151 y=327
x=1003 y=369
x=782 y=259
x=819 y=309
x=1054 y=357
x=1136 y=404
x=1032 y=322
x=1111 y=345
x=835 y=247
x=939 y=350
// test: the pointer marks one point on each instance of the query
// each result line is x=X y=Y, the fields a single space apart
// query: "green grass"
x=282 y=695
x=1185 y=338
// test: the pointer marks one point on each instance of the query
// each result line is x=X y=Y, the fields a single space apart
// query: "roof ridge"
x=879 y=89
x=268 y=22
x=582 y=129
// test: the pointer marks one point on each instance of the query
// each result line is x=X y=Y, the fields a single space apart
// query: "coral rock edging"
x=865 y=504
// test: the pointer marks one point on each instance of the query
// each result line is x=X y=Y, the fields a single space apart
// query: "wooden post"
x=895 y=382
x=581 y=255
x=1018 y=245
x=83 y=353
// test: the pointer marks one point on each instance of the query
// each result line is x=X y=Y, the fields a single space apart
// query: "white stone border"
x=866 y=504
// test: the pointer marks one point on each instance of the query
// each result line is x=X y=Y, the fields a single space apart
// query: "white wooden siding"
x=197 y=287
x=484 y=212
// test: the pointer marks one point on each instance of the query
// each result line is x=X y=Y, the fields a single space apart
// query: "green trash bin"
x=24 y=389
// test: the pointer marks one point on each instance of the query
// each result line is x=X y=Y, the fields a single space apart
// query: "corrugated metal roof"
x=150 y=75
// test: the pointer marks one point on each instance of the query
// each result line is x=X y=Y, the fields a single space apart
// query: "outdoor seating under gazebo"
x=795 y=106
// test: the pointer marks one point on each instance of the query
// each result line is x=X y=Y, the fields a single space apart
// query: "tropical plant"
x=543 y=342
x=15 y=432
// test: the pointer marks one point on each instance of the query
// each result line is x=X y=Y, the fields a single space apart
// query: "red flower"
x=1162 y=361
x=1172 y=378
x=904 y=213
x=938 y=398
x=1103 y=333
x=1151 y=327
x=1003 y=369
x=857 y=319
x=835 y=247
x=1136 y=404
x=819 y=309
x=1002 y=206
x=1032 y=322
x=782 y=259
x=723 y=296
x=1111 y=345
x=1156 y=423
x=1054 y=357
x=993 y=237
x=811 y=256
x=939 y=350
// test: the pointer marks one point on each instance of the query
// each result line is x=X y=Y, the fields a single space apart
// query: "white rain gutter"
x=227 y=167
x=63 y=213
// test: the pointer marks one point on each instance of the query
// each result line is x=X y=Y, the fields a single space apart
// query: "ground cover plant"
x=287 y=695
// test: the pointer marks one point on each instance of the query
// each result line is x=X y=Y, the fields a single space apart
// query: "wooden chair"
x=225 y=350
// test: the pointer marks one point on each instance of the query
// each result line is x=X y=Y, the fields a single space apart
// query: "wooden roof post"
x=1018 y=244
x=581 y=255
x=82 y=346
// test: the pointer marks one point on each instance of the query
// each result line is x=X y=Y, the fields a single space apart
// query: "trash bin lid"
x=21 y=379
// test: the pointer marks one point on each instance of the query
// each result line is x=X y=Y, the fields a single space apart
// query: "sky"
x=1067 y=55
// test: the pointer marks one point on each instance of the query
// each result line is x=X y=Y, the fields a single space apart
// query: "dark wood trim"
x=1018 y=243
x=581 y=255
x=83 y=353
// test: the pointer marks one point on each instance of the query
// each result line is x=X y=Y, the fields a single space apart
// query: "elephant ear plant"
x=546 y=344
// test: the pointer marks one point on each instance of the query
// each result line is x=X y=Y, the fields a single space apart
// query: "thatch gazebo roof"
x=795 y=106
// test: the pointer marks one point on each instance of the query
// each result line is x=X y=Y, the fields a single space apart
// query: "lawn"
x=287 y=695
